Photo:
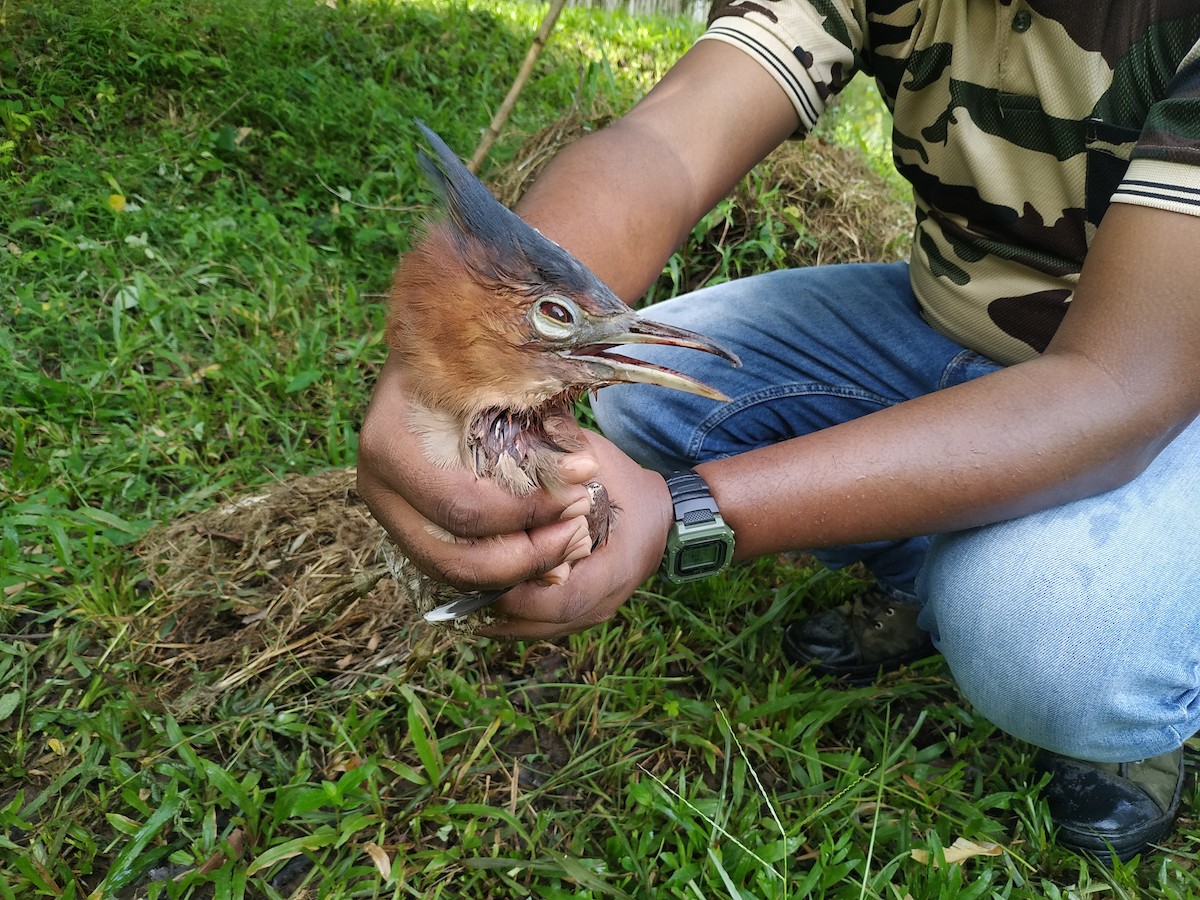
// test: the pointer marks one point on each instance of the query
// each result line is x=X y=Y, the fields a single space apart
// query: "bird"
x=500 y=331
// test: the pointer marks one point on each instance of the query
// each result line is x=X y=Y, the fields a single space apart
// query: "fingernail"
x=580 y=507
x=579 y=551
x=556 y=576
x=581 y=532
x=578 y=467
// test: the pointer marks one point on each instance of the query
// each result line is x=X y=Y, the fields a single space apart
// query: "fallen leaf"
x=961 y=849
x=380 y=858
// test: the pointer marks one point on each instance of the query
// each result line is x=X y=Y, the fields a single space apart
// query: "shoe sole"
x=860 y=676
x=1129 y=846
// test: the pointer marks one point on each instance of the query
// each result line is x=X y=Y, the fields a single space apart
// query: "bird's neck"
x=519 y=448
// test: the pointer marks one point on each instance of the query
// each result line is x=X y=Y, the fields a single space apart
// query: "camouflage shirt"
x=1017 y=123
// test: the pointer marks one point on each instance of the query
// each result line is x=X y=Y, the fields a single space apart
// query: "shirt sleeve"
x=1164 y=169
x=810 y=49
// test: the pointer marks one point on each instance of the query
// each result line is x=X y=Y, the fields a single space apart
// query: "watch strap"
x=693 y=501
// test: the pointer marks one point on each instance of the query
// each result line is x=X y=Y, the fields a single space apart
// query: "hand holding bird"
x=496 y=331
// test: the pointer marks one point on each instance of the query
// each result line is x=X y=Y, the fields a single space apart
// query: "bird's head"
x=488 y=312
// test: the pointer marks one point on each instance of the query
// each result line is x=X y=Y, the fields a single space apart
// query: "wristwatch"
x=700 y=543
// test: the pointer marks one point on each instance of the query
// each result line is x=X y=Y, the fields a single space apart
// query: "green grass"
x=200 y=206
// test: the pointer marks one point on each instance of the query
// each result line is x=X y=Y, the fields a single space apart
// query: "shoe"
x=1116 y=809
x=873 y=633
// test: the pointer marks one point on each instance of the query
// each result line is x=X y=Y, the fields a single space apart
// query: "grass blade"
x=122 y=871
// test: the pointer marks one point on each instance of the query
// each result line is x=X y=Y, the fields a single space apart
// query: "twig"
x=223 y=535
x=535 y=49
x=344 y=196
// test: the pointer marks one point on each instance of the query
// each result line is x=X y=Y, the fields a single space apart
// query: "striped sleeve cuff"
x=777 y=58
x=1163 y=185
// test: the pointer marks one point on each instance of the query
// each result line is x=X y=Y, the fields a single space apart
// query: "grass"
x=200 y=206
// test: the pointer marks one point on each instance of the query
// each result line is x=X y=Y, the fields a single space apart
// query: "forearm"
x=1000 y=447
x=1119 y=380
x=622 y=199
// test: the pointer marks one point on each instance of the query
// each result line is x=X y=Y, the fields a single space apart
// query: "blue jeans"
x=1077 y=628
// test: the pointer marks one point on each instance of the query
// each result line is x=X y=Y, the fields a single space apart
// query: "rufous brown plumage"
x=500 y=330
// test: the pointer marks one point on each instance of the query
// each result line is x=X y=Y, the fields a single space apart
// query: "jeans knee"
x=1039 y=646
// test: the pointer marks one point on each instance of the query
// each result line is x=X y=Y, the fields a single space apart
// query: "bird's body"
x=500 y=331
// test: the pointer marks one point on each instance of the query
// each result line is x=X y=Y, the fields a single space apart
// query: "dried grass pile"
x=816 y=201
x=286 y=584
x=280 y=585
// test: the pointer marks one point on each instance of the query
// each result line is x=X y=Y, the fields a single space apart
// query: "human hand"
x=460 y=529
x=599 y=582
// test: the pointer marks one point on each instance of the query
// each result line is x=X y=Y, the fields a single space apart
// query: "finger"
x=486 y=563
x=580 y=549
x=393 y=460
x=579 y=467
x=557 y=575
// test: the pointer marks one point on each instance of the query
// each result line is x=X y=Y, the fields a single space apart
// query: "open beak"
x=631 y=328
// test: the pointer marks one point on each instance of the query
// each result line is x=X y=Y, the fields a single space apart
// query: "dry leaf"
x=380 y=858
x=236 y=842
x=961 y=849
x=200 y=374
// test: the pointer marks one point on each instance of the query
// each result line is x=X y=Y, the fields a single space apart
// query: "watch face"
x=700 y=558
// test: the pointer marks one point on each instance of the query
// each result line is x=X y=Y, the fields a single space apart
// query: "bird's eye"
x=555 y=318
x=552 y=309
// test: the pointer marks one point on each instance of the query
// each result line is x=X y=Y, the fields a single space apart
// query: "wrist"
x=656 y=513
x=699 y=543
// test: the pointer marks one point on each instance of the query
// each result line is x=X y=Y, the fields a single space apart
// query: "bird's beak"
x=633 y=329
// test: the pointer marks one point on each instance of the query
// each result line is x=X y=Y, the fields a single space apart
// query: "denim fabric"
x=1075 y=628
x=818 y=346
x=1078 y=628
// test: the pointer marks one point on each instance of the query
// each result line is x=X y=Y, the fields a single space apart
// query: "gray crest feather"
x=519 y=251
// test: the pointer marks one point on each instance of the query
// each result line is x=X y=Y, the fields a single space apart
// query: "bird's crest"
x=488 y=313
x=513 y=246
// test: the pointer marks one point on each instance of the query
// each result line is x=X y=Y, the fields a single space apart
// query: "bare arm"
x=1118 y=381
x=621 y=199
